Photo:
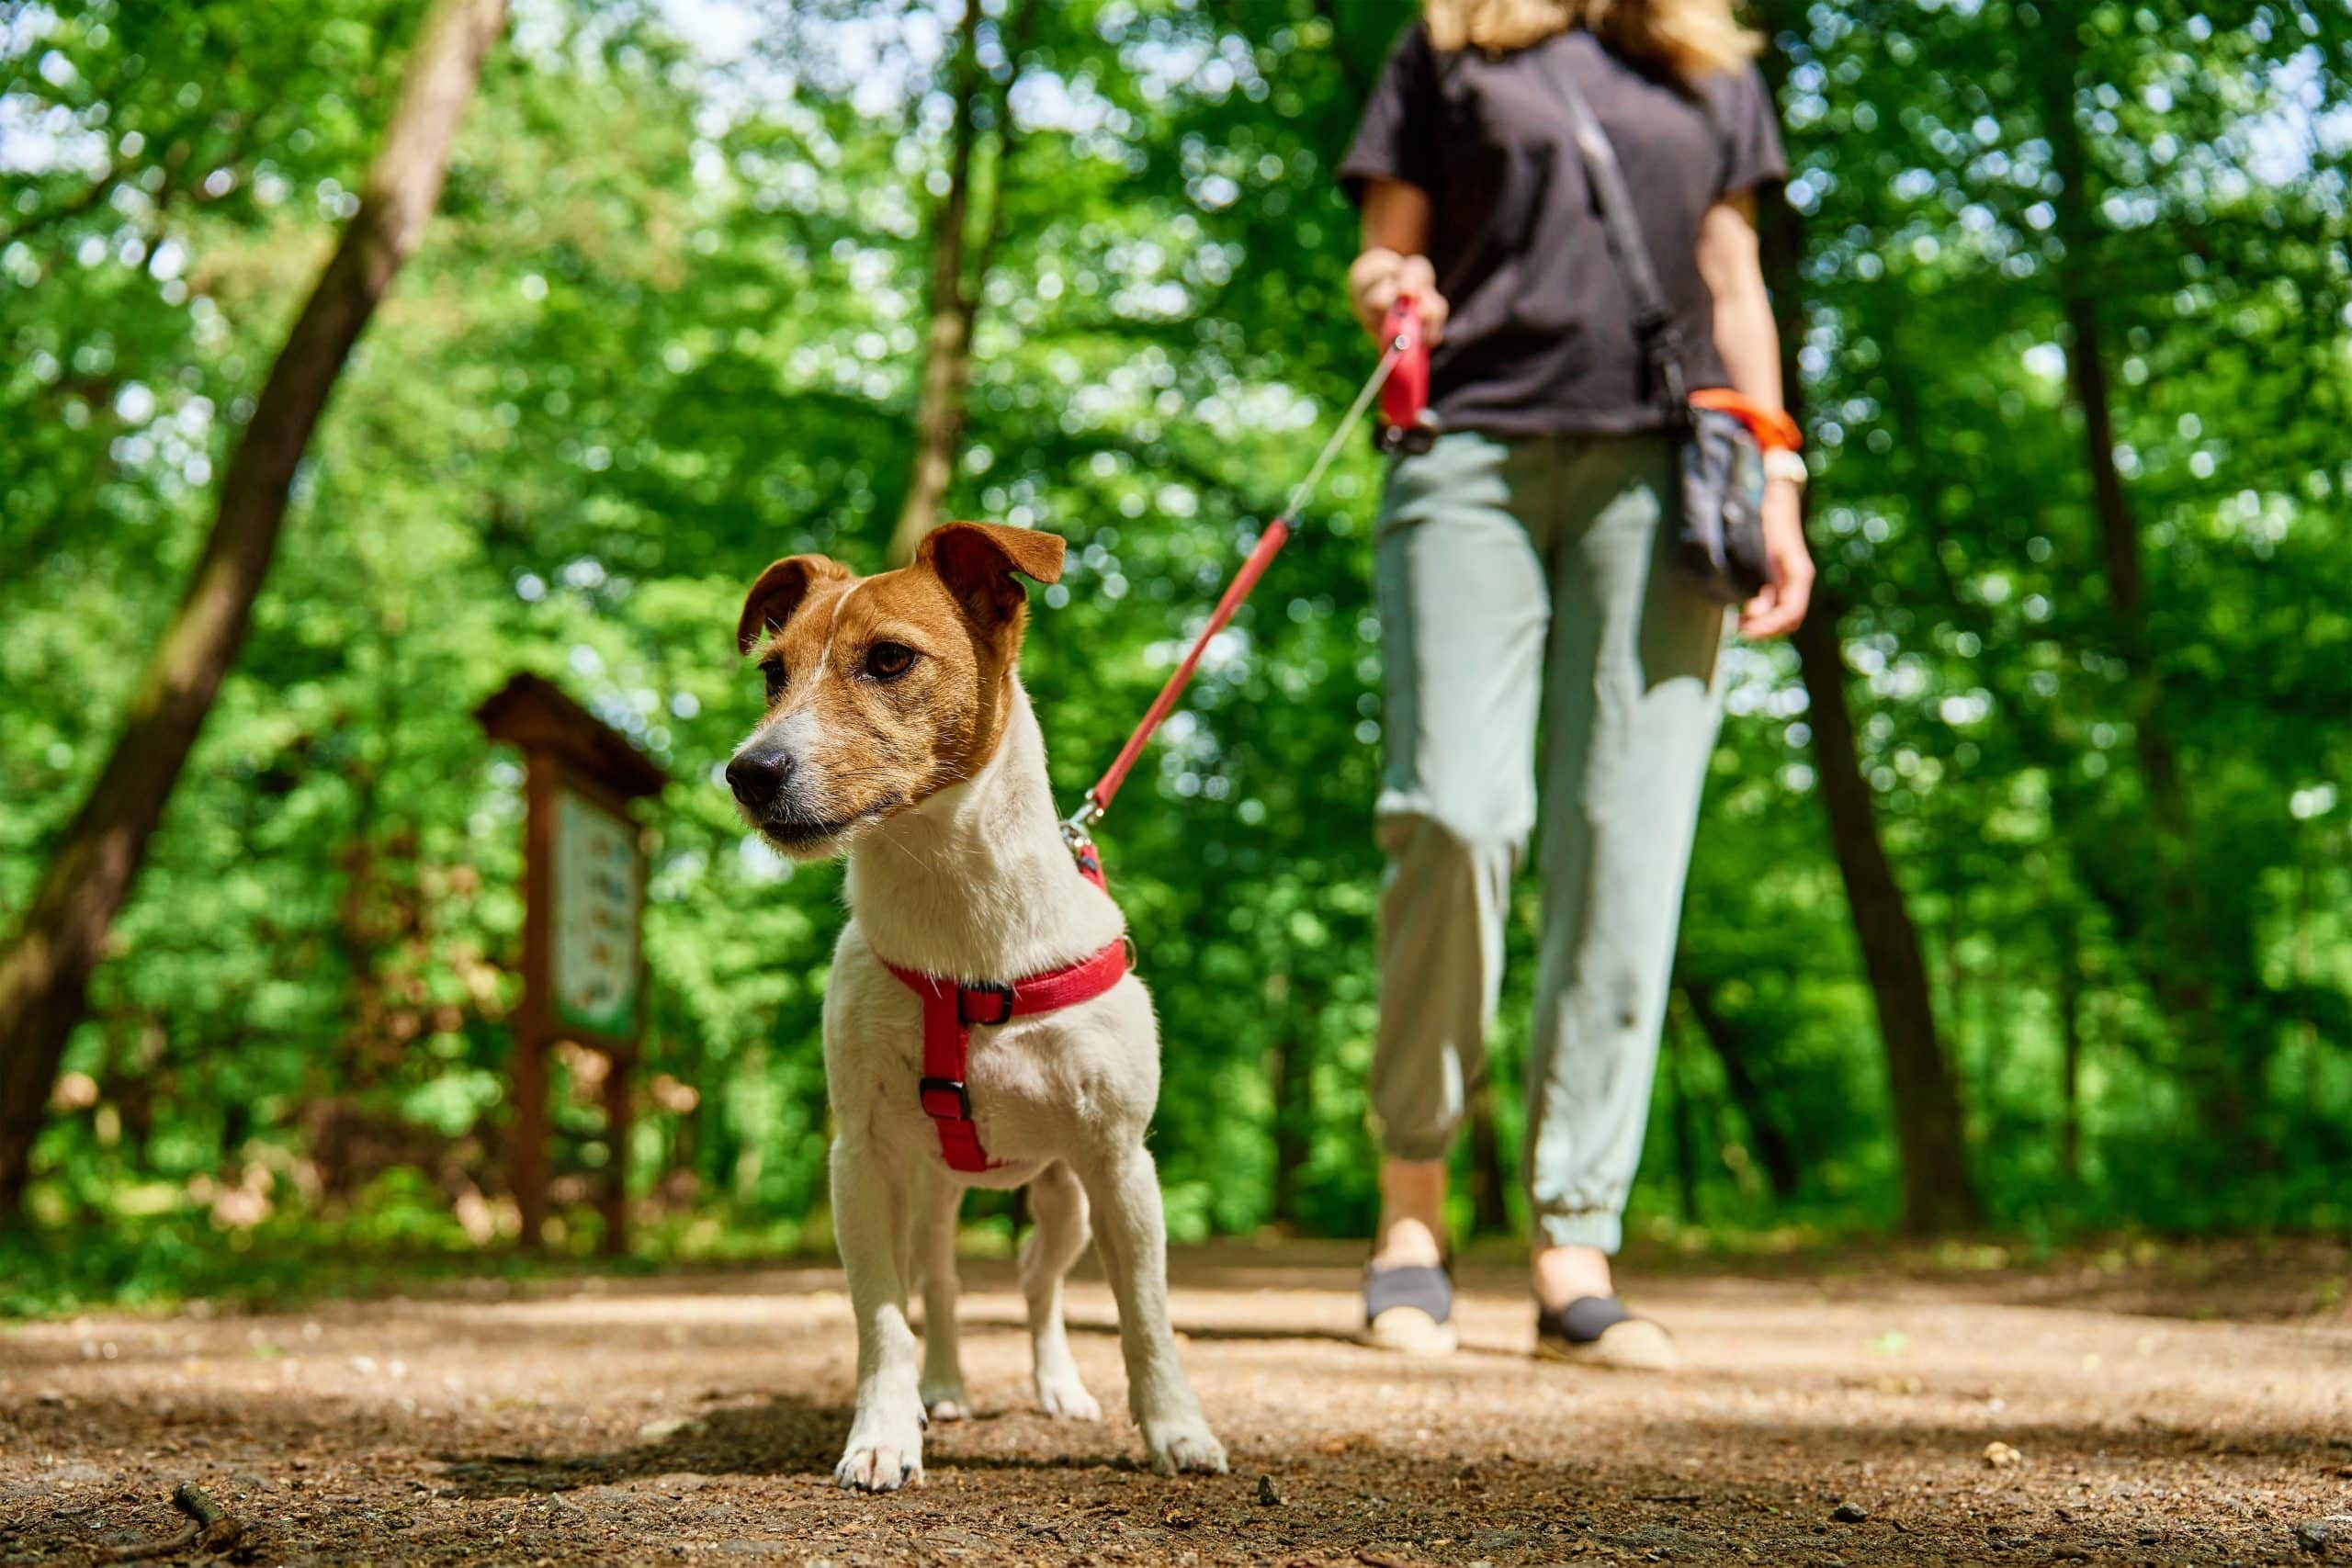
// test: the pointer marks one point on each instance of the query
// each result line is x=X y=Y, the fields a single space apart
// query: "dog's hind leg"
x=937 y=1202
x=884 y=1449
x=1125 y=1187
x=1059 y=1204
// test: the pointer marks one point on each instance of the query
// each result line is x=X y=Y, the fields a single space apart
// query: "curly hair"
x=1693 y=39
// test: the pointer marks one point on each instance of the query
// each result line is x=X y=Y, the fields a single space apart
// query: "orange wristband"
x=1773 y=429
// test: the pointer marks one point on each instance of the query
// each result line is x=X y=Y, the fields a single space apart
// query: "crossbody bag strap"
x=1652 y=320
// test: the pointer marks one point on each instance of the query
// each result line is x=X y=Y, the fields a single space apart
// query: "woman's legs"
x=1463 y=610
x=1633 y=699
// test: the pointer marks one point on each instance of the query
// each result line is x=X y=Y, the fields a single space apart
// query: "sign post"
x=584 y=894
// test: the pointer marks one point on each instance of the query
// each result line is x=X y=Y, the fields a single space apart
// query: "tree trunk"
x=45 y=974
x=957 y=283
x=1489 y=1177
x=2070 y=1041
x=1939 y=1194
x=1293 y=1129
x=947 y=349
x=2198 y=966
x=1766 y=1139
x=1686 y=1125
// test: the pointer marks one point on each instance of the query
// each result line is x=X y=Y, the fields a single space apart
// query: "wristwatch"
x=1782 y=464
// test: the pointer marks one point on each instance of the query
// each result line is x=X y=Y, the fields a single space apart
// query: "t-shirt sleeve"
x=1751 y=130
x=1397 y=137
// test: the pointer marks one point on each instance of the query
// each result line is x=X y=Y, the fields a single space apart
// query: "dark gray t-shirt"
x=1541 y=338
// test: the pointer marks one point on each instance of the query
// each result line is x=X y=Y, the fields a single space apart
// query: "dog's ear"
x=778 y=594
x=977 y=562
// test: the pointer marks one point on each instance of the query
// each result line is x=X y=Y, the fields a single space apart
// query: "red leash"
x=1402 y=381
x=953 y=1008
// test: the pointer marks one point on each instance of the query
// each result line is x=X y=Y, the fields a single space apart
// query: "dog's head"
x=881 y=691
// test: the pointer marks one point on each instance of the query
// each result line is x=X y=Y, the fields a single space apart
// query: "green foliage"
x=668 y=327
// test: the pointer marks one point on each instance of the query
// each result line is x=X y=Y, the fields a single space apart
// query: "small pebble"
x=2313 y=1536
x=1849 y=1514
x=1268 y=1493
x=2000 y=1456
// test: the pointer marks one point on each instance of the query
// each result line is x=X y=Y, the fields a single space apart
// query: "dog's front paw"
x=1061 y=1395
x=879 y=1467
x=1184 y=1444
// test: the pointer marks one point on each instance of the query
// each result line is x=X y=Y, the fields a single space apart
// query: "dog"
x=896 y=732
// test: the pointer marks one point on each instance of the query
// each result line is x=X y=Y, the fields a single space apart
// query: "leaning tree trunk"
x=1939 y=1192
x=45 y=973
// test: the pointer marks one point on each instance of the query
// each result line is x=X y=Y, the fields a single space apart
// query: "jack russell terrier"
x=981 y=1025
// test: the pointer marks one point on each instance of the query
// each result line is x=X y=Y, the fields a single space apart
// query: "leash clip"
x=1075 y=828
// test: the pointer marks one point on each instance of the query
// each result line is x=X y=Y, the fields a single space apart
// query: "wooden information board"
x=583 y=887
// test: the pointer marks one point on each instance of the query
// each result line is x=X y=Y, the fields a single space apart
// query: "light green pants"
x=1513 y=573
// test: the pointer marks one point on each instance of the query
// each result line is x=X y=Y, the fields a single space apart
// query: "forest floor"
x=2190 y=1408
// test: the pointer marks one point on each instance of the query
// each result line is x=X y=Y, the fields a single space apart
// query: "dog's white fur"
x=974 y=882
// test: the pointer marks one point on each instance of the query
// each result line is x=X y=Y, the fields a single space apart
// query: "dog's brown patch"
x=886 y=690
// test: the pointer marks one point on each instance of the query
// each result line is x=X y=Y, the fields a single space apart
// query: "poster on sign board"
x=599 y=887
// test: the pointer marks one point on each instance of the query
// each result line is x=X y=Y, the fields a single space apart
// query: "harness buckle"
x=959 y=1100
x=985 y=988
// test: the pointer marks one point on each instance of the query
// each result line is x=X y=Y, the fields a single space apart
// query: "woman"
x=1517 y=566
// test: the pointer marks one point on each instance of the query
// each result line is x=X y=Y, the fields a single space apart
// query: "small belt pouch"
x=1719 y=543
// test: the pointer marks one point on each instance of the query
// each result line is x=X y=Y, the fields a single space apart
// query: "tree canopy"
x=2073 y=317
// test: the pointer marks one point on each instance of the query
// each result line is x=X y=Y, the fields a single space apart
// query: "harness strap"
x=951 y=1010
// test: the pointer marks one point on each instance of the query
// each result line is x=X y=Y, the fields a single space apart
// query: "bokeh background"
x=2021 y=903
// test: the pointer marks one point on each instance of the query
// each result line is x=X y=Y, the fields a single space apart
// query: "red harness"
x=951 y=1010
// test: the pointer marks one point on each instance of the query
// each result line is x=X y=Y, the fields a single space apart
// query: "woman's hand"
x=1776 y=610
x=1380 y=274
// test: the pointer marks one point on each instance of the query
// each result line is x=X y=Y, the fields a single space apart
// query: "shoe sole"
x=1635 y=1345
x=1409 y=1331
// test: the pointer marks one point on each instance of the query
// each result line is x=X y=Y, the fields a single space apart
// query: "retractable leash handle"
x=1405 y=351
x=1405 y=396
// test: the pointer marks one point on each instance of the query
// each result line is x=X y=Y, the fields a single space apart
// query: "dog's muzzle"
x=758 y=775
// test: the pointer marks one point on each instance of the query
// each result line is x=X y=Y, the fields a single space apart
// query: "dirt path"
x=697 y=1418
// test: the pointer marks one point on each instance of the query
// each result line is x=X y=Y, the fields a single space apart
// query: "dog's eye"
x=888 y=660
x=772 y=671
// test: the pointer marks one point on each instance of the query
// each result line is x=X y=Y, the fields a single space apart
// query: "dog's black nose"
x=756 y=775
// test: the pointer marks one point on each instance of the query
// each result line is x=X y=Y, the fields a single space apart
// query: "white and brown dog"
x=981 y=1027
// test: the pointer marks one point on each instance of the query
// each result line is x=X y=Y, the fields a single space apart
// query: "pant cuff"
x=1603 y=1228
x=1418 y=1147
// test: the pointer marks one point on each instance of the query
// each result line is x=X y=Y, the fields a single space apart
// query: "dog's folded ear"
x=778 y=594
x=977 y=562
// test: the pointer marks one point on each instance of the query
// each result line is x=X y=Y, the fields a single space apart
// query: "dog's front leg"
x=1133 y=1236
x=885 y=1448
x=937 y=1201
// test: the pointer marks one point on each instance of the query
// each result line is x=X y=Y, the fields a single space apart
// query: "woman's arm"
x=1396 y=235
x=1750 y=345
